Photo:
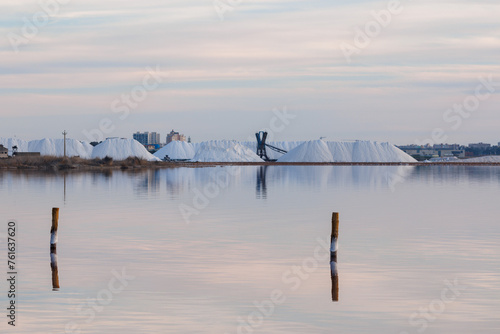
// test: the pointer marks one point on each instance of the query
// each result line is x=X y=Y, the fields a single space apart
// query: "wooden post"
x=53 y=230
x=53 y=249
x=333 y=256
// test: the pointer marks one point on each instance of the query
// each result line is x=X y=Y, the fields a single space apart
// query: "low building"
x=480 y=146
x=27 y=154
x=4 y=152
x=438 y=150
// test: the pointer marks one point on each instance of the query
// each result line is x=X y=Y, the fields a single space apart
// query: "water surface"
x=244 y=250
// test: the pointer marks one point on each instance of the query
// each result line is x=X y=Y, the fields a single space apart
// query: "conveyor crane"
x=261 y=146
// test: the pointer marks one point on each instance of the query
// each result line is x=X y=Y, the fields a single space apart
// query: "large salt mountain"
x=358 y=151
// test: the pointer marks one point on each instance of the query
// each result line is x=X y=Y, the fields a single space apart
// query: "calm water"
x=245 y=250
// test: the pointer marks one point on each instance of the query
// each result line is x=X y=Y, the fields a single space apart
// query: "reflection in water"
x=395 y=258
x=53 y=249
x=149 y=182
x=261 y=188
x=333 y=256
x=64 y=188
x=55 y=270
x=178 y=180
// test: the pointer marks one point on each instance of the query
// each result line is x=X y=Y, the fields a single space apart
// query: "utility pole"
x=64 y=133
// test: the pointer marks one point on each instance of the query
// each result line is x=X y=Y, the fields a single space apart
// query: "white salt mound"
x=311 y=151
x=55 y=147
x=88 y=148
x=176 y=150
x=224 y=151
x=358 y=151
x=491 y=158
x=22 y=145
x=121 y=149
x=369 y=151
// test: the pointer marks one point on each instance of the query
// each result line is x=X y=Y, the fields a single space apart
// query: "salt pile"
x=176 y=150
x=491 y=158
x=311 y=151
x=224 y=151
x=55 y=147
x=22 y=145
x=121 y=149
x=369 y=151
x=271 y=154
x=46 y=146
x=358 y=151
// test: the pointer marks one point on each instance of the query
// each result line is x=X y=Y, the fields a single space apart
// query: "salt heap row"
x=118 y=149
x=218 y=150
x=357 y=151
x=311 y=151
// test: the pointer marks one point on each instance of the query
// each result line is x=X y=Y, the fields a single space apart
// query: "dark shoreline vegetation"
x=50 y=163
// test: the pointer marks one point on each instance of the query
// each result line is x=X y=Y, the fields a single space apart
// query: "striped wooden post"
x=333 y=256
x=53 y=249
x=53 y=230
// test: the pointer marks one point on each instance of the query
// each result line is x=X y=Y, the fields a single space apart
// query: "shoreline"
x=77 y=164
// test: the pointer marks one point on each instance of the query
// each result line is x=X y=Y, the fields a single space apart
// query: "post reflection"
x=333 y=257
x=55 y=270
x=261 y=188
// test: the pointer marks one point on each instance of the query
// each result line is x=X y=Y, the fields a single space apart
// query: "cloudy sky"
x=222 y=70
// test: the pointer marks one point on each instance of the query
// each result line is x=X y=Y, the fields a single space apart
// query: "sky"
x=406 y=72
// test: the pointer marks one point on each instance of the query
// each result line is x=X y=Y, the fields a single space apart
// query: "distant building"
x=446 y=146
x=480 y=146
x=175 y=136
x=438 y=150
x=147 y=138
x=4 y=153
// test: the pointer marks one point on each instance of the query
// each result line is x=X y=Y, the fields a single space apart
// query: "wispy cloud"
x=265 y=53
